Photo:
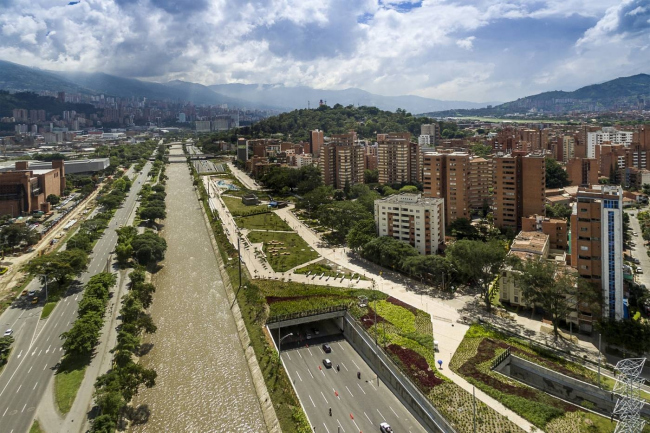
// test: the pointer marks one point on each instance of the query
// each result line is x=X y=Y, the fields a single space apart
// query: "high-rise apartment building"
x=480 y=180
x=568 y=148
x=342 y=161
x=399 y=160
x=413 y=219
x=582 y=171
x=519 y=188
x=432 y=133
x=597 y=243
x=607 y=135
x=316 y=141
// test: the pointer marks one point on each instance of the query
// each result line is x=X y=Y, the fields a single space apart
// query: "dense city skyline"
x=476 y=51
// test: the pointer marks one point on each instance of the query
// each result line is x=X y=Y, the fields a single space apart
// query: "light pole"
x=45 y=278
x=280 y=339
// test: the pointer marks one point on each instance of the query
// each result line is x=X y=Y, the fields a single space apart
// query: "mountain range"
x=624 y=93
x=15 y=77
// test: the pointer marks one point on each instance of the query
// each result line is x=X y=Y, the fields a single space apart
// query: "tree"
x=61 y=266
x=556 y=176
x=5 y=346
x=559 y=210
x=436 y=269
x=361 y=233
x=148 y=248
x=123 y=253
x=480 y=263
x=370 y=176
x=481 y=150
x=82 y=338
x=409 y=189
x=388 y=252
x=462 y=228
x=341 y=217
x=53 y=199
x=153 y=212
x=316 y=198
x=16 y=234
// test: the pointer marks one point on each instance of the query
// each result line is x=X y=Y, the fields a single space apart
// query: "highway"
x=37 y=349
x=358 y=405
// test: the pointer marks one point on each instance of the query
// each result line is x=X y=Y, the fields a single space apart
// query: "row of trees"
x=82 y=338
x=125 y=155
x=152 y=205
x=115 y=389
x=89 y=231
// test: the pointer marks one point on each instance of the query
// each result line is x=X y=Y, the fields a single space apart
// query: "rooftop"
x=411 y=199
x=530 y=242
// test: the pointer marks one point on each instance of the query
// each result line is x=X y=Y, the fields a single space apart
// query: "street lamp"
x=45 y=278
x=280 y=340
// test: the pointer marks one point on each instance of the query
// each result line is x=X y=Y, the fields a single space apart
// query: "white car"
x=8 y=332
x=385 y=428
x=639 y=270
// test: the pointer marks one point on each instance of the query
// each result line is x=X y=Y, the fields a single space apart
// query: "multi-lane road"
x=37 y=347
x=357 y=404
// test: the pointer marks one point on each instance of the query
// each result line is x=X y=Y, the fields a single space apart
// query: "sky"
x=472 y=50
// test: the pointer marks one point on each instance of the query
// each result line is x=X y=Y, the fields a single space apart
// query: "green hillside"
x=31 y=101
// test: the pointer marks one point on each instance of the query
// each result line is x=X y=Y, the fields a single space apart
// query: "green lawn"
x=47 y=310
x=237 y=208
x=36 y=428
x=298 y=250
x=264 y=221
x=67 y=381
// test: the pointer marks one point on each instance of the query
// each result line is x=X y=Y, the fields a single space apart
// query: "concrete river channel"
x=203 y=383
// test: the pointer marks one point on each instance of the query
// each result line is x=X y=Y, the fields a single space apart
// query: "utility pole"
x=375 y=322
x=599 y=335
x=239 y=257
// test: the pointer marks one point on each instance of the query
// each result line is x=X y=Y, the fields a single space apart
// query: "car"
x=639 y=270
x=31 y=293
x=327 y=363
x=24 y=293
x=308 y=336
x=634 y=234
x=385 y=428
x=35 y=300
x=327 y=348
x=8 y=332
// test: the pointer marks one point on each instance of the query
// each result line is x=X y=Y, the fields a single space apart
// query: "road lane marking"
x=355 y=424
x=30 y=369
x=321 y=393
x=48 y=348
x=339 y=423
x=35 y=349
x=39 y=353
x=382 y=416
x=355 y=364
x=309 y=350
x=346 y=387
x=45 y=366
x=394 y=412
x=368 y=417
x=312 y=376
x=373 y=386
x=340 y=346
x=34 y=386
x=299 y=355
x=5 y=411
x=346 y=369
x=20 y=386
x=20 y=354
x=312 y=401
x=321 y=370
x=328 y=431
x=361 y=388
x=60 y=348
x=288 y=356
x=299 y=375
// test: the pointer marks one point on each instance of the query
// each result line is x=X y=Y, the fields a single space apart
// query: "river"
x=203 y=383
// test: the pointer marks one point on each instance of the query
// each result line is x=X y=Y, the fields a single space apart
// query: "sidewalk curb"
x=268 y=411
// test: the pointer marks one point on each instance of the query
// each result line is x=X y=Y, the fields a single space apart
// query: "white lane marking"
x=321 y=393
x=35 y=349
x=48 y=348
x=321 y=350
x=346 y=387
x=288 y=356
x=346 y=369
x=394 y=412
x=299 y=375
x=5 y=411
x=368 y=417
x=373 y=386
x=355 y=364
x=308 y=349
x=339 y=423
x=62 y=313
x=20 y=386
x=75 y=298
x=312 y=401
x=45 y=366
x=355 y=424
x=382 y=416
x=20 y=354
x=30 y=369
x=39 y=353
x=361 y=388
x=312 y=376
x=322 y=371
x=60 y=348
x=23 y=408
x=34 y=386
x=340 y=346
x=299 y=355
x=328 y=431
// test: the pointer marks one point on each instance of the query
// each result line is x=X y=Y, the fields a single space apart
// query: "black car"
x=327 y=348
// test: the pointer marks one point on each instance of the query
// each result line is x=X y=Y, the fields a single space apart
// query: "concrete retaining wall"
x=560 y=385
x=399 y=384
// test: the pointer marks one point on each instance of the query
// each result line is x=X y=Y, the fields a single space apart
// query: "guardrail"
x=500 y=359
x=302 y=314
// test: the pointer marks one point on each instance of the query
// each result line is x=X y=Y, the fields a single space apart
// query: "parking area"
x=358 y=400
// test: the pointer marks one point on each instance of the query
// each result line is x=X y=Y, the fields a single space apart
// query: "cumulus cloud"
x=447 y=49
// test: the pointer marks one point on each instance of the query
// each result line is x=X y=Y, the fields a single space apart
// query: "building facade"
x=24 y=190
x=398 y=160
x=412 y=218
x=342 y=161
x=597 y=243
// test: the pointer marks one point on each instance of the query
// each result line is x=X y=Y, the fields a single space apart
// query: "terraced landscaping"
x=474 y=358
x=283 y=250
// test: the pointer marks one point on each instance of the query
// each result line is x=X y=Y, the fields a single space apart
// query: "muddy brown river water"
x=203 y=379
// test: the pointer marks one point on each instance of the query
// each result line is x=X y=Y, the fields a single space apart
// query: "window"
x=516 y=299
